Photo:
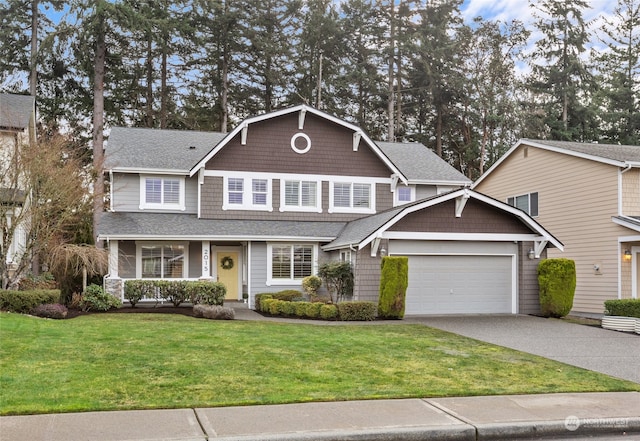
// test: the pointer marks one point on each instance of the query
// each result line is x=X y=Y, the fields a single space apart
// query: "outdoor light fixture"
x=627 y=255
x=531 y=254
x=383 y=251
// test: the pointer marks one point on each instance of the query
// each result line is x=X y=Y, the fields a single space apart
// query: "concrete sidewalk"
x=553 y=416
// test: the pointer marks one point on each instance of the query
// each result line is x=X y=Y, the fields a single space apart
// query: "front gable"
x=278 y=145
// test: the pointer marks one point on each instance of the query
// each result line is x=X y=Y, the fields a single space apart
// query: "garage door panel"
x=459 y=284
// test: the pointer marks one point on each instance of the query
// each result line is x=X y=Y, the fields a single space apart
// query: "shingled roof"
x=614 y=152
x=15 y=111
x=153 y=149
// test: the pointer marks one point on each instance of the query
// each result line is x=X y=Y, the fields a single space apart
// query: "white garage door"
x=459 y=285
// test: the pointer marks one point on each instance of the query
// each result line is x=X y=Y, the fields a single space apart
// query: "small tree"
x=394 y=279
x=338 y=278
x=43 y=199
x=311 y=284
x=557 y=280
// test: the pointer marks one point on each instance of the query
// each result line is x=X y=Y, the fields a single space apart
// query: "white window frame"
x=247 y=193
x=351 y=209
x=185 y=264
x=396 y=195
x=144 y=205
x=310 y=209
x=271 y=281
x=528 y=196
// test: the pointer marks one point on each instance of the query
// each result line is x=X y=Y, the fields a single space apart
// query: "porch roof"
x=170 y=226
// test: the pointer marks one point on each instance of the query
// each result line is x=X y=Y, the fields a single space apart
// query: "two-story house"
x=261 y=207
x=17 y=127
x=589 y=196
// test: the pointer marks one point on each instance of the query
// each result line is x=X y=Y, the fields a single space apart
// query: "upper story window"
x=404 y=195
x=164 y=193
x=298 y=195
x=351 y=197
x=247 y=194
x=525 y=202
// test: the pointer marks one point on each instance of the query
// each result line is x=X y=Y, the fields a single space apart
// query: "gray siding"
x=127 y=259
x=195 y=260
x=367 y=275
x=425 y=191
x=126 y=193
x=528 y=288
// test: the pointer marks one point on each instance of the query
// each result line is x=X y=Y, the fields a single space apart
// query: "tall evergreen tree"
x=619 y=74
x=559 y=75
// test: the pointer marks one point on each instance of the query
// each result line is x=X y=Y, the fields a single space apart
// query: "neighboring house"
x=589 y=196
x=261 y=207
x=17 y=126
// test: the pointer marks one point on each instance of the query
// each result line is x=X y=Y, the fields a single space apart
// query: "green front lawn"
x=146 y=361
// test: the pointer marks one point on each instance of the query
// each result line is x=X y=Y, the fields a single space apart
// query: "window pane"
x=281 y=262
x=259 y=191
x=302 y=258
x=173 y=258
x=533 y=202
x=235 y=189
x=342 y=195
x=292 y=193
x=522 y=202
x=309 y=194
x=361 y=195
x=153 y=191
x=171 y=191
x=151 y=262
x=404 y=194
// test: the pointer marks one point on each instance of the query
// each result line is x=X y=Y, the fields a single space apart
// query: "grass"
x=148 y=361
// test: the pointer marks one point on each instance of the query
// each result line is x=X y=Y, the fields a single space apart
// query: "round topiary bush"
x=557 y=280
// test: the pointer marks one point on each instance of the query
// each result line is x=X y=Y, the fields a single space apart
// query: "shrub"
x=328 y=312
x=174 y=291
x=213 y=312
x=557 y=280
x=623 y=307
x=288 y=295
x=94 y=298
x=207 y=293
x=24 y=301
x=287 y=308
x=394 y=279
x=50 y=310
x=44 y=281
x=312 y=310
x=266 y=305
x=338 y=278
x=136 y=290
x=300 y=309
x=311 y=285
x=357 y=311
x=259 y=298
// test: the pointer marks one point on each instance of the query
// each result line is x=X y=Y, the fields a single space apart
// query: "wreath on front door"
x=226 y=262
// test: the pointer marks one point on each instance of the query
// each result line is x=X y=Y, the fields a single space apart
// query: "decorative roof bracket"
x=374 y=246
x=243 y=135
x=356 y=140
x=461 y=201
x=301 y=116
x=539 y=246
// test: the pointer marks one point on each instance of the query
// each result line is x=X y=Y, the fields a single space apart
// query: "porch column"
x=206 y=260
x=113 y=259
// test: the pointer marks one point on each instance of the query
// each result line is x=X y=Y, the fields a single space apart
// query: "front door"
x=228 y=272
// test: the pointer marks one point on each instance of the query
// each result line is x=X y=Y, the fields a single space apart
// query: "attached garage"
x=468 y=254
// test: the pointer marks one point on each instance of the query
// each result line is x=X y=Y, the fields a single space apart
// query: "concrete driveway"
x=601 y=350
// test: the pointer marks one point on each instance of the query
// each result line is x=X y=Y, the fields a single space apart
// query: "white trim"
x=249 y=257
x=243 y=238
x=634 y=271
x=626 y=223
x=206 y=260
x=144 y=205
x=185 y=263
x=293 y=143
x=288 y=282
x=476 y=237
x=295 y=176
x=113 y=259
x=247 y=193
x=299 y=208
x=351 y=209
x=151 y=171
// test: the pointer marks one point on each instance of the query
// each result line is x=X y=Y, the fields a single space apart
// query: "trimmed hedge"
x=24 y=301
x=328 y=312
x=357 y=311
x=557 y=280
x=259 y=298
x=394 y=279
x=623 y=307
x=94 y=298
x=136 y=290
x=175 y=291
x=206 y=293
